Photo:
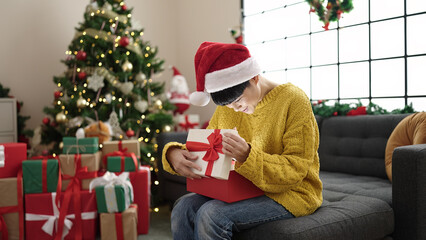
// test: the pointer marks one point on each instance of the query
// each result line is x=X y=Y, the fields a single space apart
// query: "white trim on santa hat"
x=229 y=77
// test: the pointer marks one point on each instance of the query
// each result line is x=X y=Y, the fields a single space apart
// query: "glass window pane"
x=276 y=76
x=254 y=6
x=252 y=27
x=359 y=14
x=414 y=6
x=270 y=55
x=381 y=9
x=416 y=34
x=387 y=38
x=324 y=47
x=419 y=104
x=354 y=80
x=416 y=71
x=353 y=43
x=324 y=82
x=387 y=78
x=389 y=104
x=298 y=13
x=298 y=52
x=274 y=25
x=301 y=78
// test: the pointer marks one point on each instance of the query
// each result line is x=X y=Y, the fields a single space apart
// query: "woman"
x=275 y=148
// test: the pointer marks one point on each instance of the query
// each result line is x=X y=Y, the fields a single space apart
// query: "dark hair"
x=229 y=95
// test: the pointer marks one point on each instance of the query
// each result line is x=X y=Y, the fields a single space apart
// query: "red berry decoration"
x=124 y=7
x=124 y=41
x=81 y=55
x=82 y=75
x=46 y=121
x=57 y=94
x=130 y=133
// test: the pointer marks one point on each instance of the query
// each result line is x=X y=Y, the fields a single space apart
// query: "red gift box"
x=41 y=216
x=234 y=189
x=11 y=157
x=141 y=181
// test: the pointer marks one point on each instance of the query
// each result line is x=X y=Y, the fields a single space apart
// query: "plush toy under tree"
x=109 y=88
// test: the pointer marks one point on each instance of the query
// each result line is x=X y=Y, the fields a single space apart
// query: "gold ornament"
x=81 y=102
x=127 y=66
x=61 y=145
x=140 y=77
x=61 y=118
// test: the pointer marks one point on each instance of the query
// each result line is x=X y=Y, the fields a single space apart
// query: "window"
x=375 y=53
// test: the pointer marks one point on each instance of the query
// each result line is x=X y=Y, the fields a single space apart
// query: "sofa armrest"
x=409 y=191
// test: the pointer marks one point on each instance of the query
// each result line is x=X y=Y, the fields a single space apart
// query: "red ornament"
x=81 y=55
x=124 y=41
x=82 y=75
x=335 y=114
x=124 y=7
x=54 y=124
x=130 y=133
x=57 y=94
x=46 y=121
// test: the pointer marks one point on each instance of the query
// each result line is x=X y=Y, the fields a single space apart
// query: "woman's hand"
x=235 y=146
x=182 y=161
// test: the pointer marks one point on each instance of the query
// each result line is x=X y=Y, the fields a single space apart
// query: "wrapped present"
x=73 y=145
x=40 y=176
x=129 y=146
x=234 y=189
x=11 y=208
x=84 y=165
x=207 y=145
x=76 y=219
x=141 y=181
x=122 y=163
x=120 y=226
x=186 y=122
x=11 y=157
x=113 y=193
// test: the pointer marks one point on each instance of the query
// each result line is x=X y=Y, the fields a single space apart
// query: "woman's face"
x=247 y=102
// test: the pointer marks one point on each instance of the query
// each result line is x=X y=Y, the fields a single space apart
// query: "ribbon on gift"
x=2 y=156
x=44 y=174
x=51 y=223
x=122 y=152
x=10 y=209
x=187 y=124
x=213 y=148
x=119 y=226
x=109 y=181
x=73 y=189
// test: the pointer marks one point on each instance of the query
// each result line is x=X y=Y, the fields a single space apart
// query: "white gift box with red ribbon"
x=207 y=145
x=187 y=121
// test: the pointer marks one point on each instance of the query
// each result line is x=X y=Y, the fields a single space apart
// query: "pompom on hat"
x=219 y=66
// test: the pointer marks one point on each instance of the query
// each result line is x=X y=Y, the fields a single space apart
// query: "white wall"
x=35 y=35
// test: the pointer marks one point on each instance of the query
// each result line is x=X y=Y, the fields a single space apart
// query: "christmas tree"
x=108 y=89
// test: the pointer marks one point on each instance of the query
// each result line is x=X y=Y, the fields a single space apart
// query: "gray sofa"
x=359 y=201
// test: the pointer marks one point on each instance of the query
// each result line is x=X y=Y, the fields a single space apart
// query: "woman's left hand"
x=235 y=146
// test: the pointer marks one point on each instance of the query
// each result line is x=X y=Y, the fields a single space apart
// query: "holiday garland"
x=333 y=10
x=344 y=109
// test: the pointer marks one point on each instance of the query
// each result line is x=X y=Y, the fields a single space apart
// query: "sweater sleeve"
x=276 y=173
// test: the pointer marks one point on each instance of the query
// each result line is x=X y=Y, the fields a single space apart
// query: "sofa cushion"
x=349 y=211
x=356 y=145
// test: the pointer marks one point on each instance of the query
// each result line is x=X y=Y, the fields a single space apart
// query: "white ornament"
x=95 y=82
x=126 y=88
x=107 y=6
x=141 y=105
x=108 y=98
x=80 y=133
x=140 y=77
x=136 y=24
x=115 y=125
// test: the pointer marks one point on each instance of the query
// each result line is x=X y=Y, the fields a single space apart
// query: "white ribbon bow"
x=52 y=220
x=2 y=157
x=109 y=181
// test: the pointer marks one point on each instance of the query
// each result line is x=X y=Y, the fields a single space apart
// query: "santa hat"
x=177 y=75
x=219 y=66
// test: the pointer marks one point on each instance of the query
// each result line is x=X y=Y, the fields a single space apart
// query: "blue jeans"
x=198 y=217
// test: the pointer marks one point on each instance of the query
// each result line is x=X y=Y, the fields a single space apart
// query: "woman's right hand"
x=182 y=162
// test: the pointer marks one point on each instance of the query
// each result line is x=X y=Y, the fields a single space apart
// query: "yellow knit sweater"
x=284 y=139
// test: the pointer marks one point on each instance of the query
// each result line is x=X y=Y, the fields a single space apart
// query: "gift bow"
x=213 y=148
x=187 y=124
x=51 y=223
x=109 y=180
